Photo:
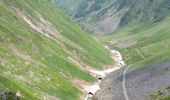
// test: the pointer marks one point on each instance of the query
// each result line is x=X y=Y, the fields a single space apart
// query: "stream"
x=92 y=89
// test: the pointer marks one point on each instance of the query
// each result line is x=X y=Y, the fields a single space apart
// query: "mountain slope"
x=145 y=26
x=142 y=37
x=104 y=16
x=136 y=21
x=101 y=17
x=42 y=52
x=140 y=30
x=69 y=6
x=95 y=16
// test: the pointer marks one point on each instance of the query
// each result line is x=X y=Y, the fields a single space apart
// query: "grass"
x=151 y=39
x=166 y=98
x=47 y=72
x=143 y=35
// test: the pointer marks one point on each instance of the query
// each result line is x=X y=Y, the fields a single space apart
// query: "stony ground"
x=139 y=84
x=111 y=87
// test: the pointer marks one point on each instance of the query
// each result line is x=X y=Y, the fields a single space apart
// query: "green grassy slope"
x=142 y=31
x=38 y=66
x=143 y=44
x=143 y=28
x=143 y=36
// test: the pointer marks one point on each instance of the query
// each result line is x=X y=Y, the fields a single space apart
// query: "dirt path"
x=142 y=56
x=136 y=84
x=124 y=84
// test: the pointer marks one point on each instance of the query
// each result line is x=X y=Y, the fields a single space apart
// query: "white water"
x=102 y=74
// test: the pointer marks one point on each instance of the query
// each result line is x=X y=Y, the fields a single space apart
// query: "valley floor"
x=141 y=84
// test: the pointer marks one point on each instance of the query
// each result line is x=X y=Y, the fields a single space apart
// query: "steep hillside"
x=98 y=16
x=42 y=52
x=68 y=6
x=141 y=43
x=95 y=16
x=143 y=38
x=144 y=11
x=104 y=16
x=145 y=26
x=140 y=30
x=141 y=22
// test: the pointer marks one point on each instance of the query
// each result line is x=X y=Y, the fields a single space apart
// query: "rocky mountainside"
x=96 y=16
x=43 y=53
x=68 y=6
x=104 y=16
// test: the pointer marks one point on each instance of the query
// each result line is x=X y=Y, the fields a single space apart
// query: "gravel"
x=139 y=83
